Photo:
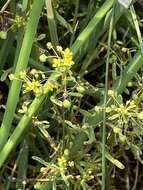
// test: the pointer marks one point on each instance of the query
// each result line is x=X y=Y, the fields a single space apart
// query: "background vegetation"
x=71 y=94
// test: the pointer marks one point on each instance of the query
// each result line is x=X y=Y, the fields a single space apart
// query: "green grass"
x=74 y=135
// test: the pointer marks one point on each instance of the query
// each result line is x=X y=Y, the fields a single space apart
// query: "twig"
x=5 y=6
x=28 y=180
x=136 y=176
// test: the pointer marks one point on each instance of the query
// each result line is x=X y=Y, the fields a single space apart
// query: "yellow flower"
x=117 y=130
x=71 y=163
x=67 y=57
x=111 y=93
x=98 y=109
x=19 y=21
x=108 y=110
x=49 y=86
x=59 y=49
x=57 y=62
x=65 y=61
x=132 y=104
x=62 y=160
x=32 y=86
x=140 y=115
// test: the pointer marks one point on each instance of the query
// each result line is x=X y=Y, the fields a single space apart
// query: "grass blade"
x=80 y=46
x=51 y=23
x=134 y=17
x=21 y=65
x=104 y=105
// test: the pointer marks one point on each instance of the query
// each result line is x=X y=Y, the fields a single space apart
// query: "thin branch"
x=5 y=6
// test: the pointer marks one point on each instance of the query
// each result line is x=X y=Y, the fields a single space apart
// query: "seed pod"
x=80 y=89
x=66 y=104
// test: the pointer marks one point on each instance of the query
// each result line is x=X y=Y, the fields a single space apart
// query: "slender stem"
x=104 y=105
x=136 y=176
x=74 y=21
x=5 y=6
x=134 y=17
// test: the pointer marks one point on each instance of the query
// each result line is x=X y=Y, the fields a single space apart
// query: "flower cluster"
x=32 y=82
x=19 y=21
x=61 y=59
x=64 y=61
x=118 y=110
x=62 y=162
x=121 y=111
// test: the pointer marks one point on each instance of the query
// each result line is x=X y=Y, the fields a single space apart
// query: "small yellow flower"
x=31 y=86
x=59 y=49
x=49 y=86
x=140 y=115
x=132 y=104
x=116 y=130
x=130 y=84
x=67 y=57
x=111 y=93
x=23 y=110
x=71 y=163
x=108 y=110
x=19 y=21
x=57 y=62
x=98 y=108
x=122 y=138
x=24 y=107
x=62 y=160
x=65 y=61
x=49 y=45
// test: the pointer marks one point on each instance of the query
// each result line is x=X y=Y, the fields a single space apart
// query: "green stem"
x=74 y=21
x=134 y=17
x=22 y=62
x=104 y=105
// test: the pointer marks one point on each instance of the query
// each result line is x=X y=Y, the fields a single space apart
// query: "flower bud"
x=43 y=58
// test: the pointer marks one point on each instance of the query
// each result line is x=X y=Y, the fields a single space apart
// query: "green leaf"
x=56 y=101
x=113 y=117
x=75 y=94
x=119 y=99
x=114 y=161
x=40 y=160
x=63 y=22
